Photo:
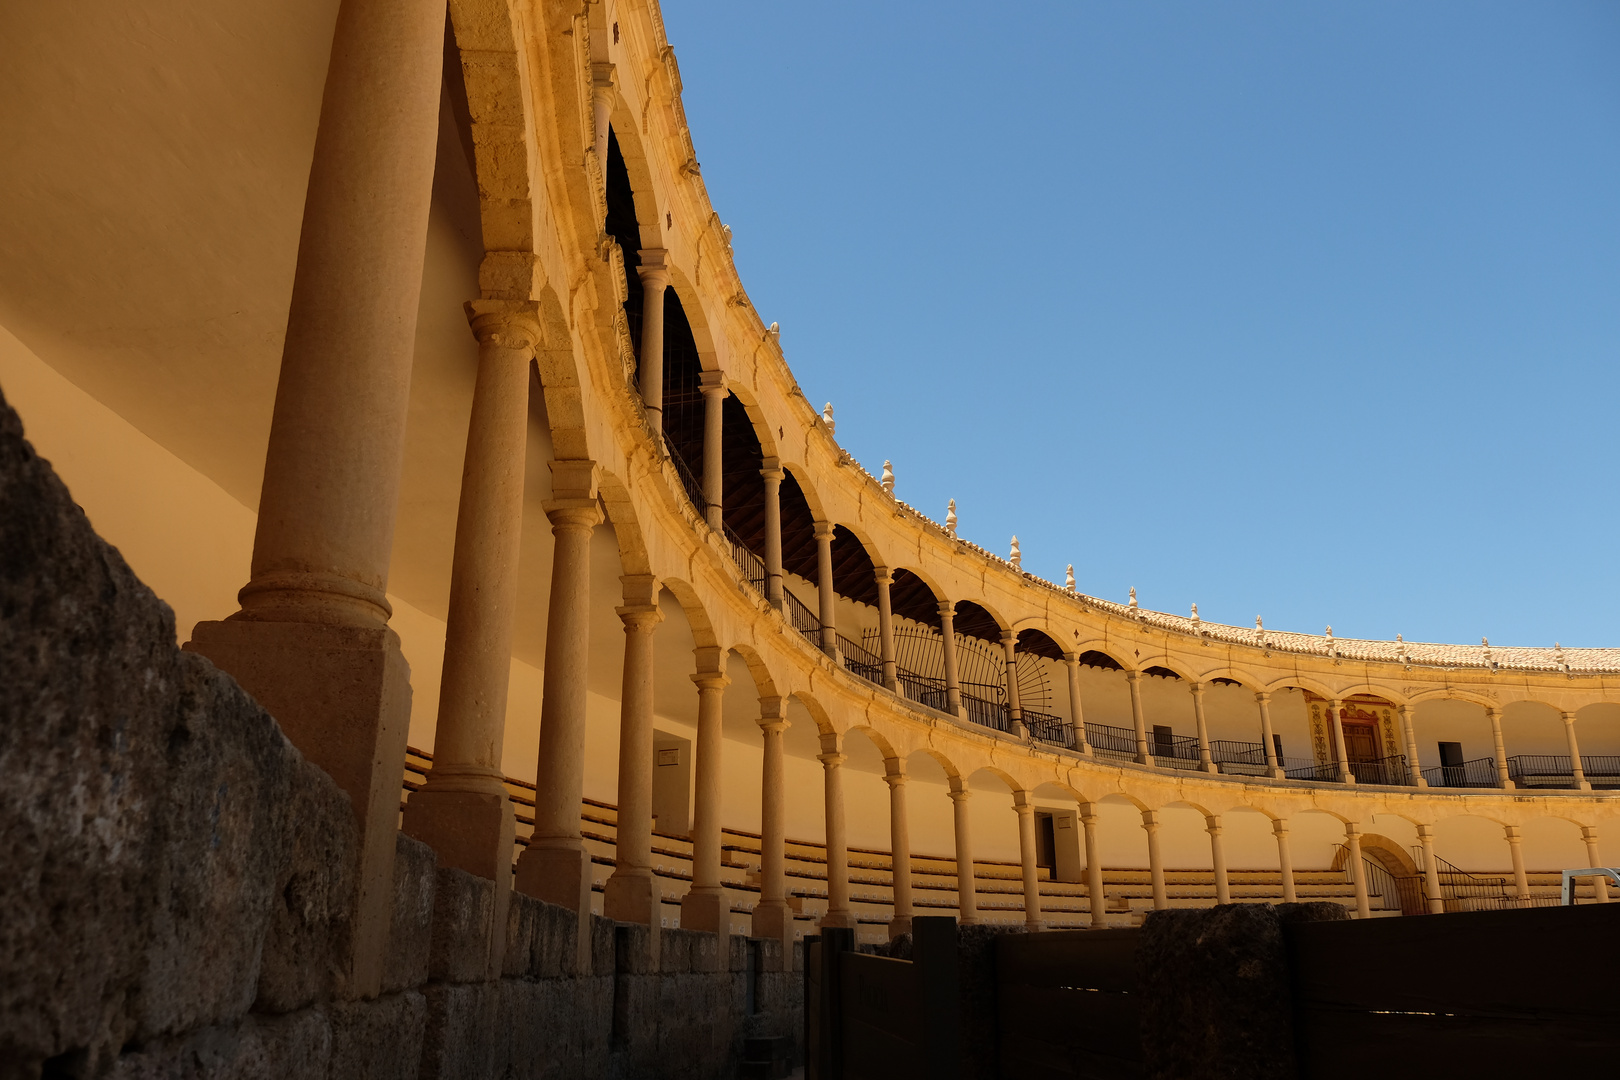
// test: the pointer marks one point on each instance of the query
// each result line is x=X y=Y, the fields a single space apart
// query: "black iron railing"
x=992 y=714
x=801 y=618
x=1174 y=751
x=1478 y=773
x=861 y=660
x=923 y=690
x=1110 y=740
x=1238 y=758
x=694 y=490
x=751 y=565
x=1049 y=729
x=1313 y=771
x=1388 y=770
x=1553 y=770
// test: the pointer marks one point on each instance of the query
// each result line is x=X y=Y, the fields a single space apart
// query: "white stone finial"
x=1485 y=641
x=1195 y=615
x=774 y=331
x=827 y=418
x=1068 y=578
x=1399 y=639
x=888 y=478
x=1017 y=556
x=950 y=519
x=1329 y=634
x=1258 y=625
x=1133 y=597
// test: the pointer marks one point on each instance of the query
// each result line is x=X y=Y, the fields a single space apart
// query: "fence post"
x=939 y=991
x=823 y=1003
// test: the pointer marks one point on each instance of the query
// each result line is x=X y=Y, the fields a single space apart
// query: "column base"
x=774 y=919
x=1017 y=730
x=632 y=895
x=900 y=924
x=1584 y=785
x=1276 y=773
x=844 y=919
x=706 y=908
x=342 y=695
x=1209 y=767
x=560 y=874
x=471 y=831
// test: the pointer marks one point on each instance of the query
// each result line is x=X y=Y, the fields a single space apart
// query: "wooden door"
x=1361 y=741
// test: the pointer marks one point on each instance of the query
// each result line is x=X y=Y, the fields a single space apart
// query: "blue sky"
x=1310 y=311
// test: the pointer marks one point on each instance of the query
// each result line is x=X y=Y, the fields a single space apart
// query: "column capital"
x=1589 y=832
x=566 y=515
x=1212 y=824
x=1279 y=826
x=883 y=575
x=1352 y=830
x=771 y=469
x=1196 y=688
x=507 y=324
x=711 y=680
x=831 y=761
x=959 y=790
x=1150 y=820
x=1569 y=717
x=1009 y=637
x=772 y=714
x=640 y=590
x=573 y=480
x=1262 y=697
x=1425 y=832
x=1493 y=712
x=1071 y=657
x=894 y=772
x=652 y=271
x=601 y=76
x=832 y=742
x=1335 y=703
x=1512 y=832
x=1023 y=802
x=824 y=530
x=712 y=382
x=1132 y=675
x=947 y=609
x=639 y=616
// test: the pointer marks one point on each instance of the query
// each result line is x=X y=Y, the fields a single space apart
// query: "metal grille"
x=802 y=618
x=751 y=565
x=1389 y=770
x=1480 y=772
x=694 y=490
x=1050 y=729
x=861 y=660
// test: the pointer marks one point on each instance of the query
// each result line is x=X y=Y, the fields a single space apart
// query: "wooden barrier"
x=1067 y=1005
x=1478 y=994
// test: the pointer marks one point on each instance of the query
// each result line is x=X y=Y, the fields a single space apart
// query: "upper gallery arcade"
x=460 y=405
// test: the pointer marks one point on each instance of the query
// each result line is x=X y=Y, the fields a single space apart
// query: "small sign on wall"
x=671 y=756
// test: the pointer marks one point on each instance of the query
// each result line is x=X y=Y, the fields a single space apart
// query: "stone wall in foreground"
x=178 y=880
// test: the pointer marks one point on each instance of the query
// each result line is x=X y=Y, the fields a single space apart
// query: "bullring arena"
x=478 y=469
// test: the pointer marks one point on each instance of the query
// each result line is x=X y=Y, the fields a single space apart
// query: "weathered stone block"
x=146 y=803
x=258 y=1047
x=410 y=933
x=311 y=913
x=463 y=906
x=603 y=943
x=459 y=1041
x=1215 y=994
x=378 y=1040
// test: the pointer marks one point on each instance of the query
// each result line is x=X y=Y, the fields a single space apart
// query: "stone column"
x=463 y=811
x=311 y=641
x=1431 y=871
x=1575 y=765
x=885 y=577
x=1025 y=809
x=602 y=112
x=1096 y=895
x=1206 y=760
x=1494 y=715
x=1521 y=883
x=1595 y=858
x=1150 y=822
x=772 y=917
x=1409 y=733
x=1285 y=861
x=1274 y=767
x=1358 y=873
x=1217 y=859
x=1336 y=729
x=632 y=893
x=967 y=904
x=555 y=866
x=654 y=280
x=771 y=473
x=899 y=846
x=832 y=776
x=1015 y=712
x=1071 y=660
x=824 y=588
x=712 y=384
x=947 y=630
x=1134 y=678
x=705 y=906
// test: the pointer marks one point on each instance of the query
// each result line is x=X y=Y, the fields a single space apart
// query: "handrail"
x=1049 y=729
x=1566 y=890
x=1478 y=773
x=1390 y=771
x=694 y=490
x=751 y=565
x=801 y=618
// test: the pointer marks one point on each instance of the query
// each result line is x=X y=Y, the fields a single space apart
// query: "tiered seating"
x=998 y=885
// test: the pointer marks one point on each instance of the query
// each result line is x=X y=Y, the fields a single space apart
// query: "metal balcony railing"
x=1313 y=771
x=1478 y=773
x=861 y=660
x=992 y=714
x=801 y=618
x=694 y=490
x=1111 y=741
x=1049 y=729
x=1173 y=751
x=751 y=565
x=1388 y=770
x=1553 y=770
